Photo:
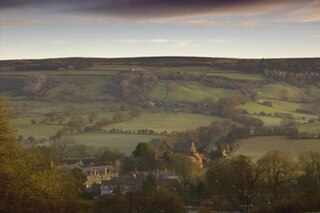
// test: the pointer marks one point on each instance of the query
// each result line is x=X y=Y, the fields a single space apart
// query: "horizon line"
x=160 y=56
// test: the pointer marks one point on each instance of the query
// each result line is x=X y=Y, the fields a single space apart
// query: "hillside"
x=120 y=102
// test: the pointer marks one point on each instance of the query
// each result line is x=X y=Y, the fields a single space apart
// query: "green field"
x=86 y=91
x=36 y=110
x=124 y=143
x=195 y=70
x=256 y=108
x=94 y=71
x=272 y=91
x=188 y=91
x=166 y=121
x=285 y=105
x=256 y=147
x=312 y=128
x=238 y=76
x=270 y=121
x=37 y=131
x=314 y=91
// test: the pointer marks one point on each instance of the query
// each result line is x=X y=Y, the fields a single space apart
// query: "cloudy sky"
x=129 y=28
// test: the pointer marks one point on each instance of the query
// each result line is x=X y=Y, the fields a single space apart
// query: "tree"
x=280 y=171
x=162 y=201
x=208 y=101
x=283 y=93
x=76 y=124
x=310 y=166
x=166 y=160
x=34 y=84
x=187 y=168
x=144 y=157
x=235 y=180
x=63 y=148
x=6 y=133
x=79 y=177
x=141 y=149
x=135 y=112
x=287 y=121
x=92 y=116
x=114 y=204
x=33 y=121
x=151 y=200
x=108 y=156
x=118 y=116
x=28 y=181
x=31 y=139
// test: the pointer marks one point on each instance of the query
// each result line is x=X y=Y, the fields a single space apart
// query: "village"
x=107 y=179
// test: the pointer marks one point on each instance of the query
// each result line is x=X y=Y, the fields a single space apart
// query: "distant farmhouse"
x=94 y=174
x=97 y=174
x=186 y=148
x=135 y=181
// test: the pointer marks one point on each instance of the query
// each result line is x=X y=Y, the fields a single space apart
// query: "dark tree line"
x=274 y=183
x=132 y=87
x=37 y=85
x=242 y=65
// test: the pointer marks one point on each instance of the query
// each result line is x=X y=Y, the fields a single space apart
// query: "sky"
x=134 y=28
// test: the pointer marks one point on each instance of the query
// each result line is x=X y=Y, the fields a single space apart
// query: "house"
x=187 y=148
x=135 y=181
x=123 y=183
x=212 y=147
x=97 y=174
x=94 y=174
x=167 y=179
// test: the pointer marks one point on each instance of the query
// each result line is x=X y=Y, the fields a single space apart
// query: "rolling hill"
x=126 y=97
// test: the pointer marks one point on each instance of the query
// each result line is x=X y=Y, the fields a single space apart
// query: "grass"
x=312 y=128
x=238 y=76
x=285 y=105
x=272 y=91
x=37 y=131
x=256 y=108
x=81 y=91
x=255 y=147
x=37 y=109
x=171 y=91
x=88 y=72
x=270 y=121
x=91 y=97
x=124 y=143
x=315 y=91
x=196 y=70
x=166 y=121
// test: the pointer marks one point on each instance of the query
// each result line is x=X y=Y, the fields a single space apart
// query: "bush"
x=267 y=103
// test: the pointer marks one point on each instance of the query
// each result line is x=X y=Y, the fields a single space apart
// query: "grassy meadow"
x=255 y=147
x=124 y=143
x=84 y=92
x=273 y=91
x=237 y=76
x=166 y=121
x=187 y=91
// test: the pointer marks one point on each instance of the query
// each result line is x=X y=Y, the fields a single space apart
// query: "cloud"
x=172 y=42
x=316 y=36
x=307 y=12
x=215 y=40
x=205 y=13
x=155 y=8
